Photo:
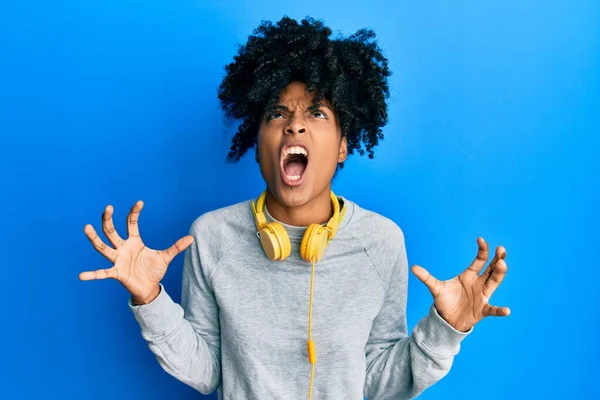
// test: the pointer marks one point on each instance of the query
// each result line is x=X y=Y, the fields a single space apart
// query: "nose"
x=295 y=126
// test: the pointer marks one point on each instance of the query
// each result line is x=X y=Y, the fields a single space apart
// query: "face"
x=299 y=147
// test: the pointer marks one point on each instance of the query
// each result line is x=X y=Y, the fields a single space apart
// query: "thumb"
x=177 y=248
x=424 y=276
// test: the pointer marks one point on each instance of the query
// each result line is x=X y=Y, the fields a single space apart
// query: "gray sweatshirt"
x=242 y=326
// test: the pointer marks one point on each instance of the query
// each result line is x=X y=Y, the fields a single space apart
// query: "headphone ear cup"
x=275 y=241
x=313 y=243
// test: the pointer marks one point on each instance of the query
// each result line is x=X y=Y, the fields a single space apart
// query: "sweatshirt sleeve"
x=402 y=366
x=185 y=338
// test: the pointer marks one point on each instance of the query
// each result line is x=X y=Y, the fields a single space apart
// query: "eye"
x=272 y=115
x=320 y=112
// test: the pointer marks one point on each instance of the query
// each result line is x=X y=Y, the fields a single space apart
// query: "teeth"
x=294 y=150
x=293 y=177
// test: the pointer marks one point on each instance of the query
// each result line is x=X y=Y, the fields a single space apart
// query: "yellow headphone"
x=276 y=244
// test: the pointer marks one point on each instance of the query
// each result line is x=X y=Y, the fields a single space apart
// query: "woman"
x=299 y=292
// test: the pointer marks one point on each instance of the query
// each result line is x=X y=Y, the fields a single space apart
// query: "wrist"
x=138 y=301
x=455 y=322
x=463 y=328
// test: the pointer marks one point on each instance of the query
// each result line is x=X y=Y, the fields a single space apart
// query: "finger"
x=133 y=217
x=109 y=228
x=481 y=258
x=180 y=245
x=496 y=277
x=500 y=254
x=429 y=280
x=112 y=273
x=106 y=251
x=495 y=311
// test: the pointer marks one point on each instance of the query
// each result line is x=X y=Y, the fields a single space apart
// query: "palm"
x=464 y=300
x=136 y=266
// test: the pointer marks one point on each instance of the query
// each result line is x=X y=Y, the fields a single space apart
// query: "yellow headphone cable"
x=276 y=244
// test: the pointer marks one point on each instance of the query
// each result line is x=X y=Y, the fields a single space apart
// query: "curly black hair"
x=350 y=72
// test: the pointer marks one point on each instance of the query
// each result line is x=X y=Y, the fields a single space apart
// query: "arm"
x=401 y=366
x=186 y=338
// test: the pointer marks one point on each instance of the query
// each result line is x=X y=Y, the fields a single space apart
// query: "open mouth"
x=294 y=165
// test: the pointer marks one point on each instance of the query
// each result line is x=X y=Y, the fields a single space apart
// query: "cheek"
x=267 y=154
x=328 y=159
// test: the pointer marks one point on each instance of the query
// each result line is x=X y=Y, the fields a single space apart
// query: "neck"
x=316 y=211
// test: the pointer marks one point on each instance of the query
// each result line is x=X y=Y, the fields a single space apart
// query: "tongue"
x=294 y=168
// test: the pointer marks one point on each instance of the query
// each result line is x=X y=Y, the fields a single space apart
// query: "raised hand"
x=463 y=300
x=137 y=267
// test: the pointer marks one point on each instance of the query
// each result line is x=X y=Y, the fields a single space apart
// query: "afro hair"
x=350 y=72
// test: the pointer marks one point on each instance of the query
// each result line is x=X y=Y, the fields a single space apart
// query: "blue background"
x=494 y=122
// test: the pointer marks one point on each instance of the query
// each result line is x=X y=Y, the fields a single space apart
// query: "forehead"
x=295 y=94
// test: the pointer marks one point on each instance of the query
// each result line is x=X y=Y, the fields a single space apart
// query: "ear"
x=343 y=152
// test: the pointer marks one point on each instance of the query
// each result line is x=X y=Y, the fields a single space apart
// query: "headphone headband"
x=332 y=224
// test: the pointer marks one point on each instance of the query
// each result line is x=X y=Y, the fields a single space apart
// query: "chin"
x=295 y=197
x=299 y=196
x=303 y=192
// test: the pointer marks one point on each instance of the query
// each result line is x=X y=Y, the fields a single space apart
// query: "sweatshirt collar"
x=297 y=232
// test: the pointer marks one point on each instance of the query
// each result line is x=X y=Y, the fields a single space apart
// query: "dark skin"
x=316 y=128
x=461 y=301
